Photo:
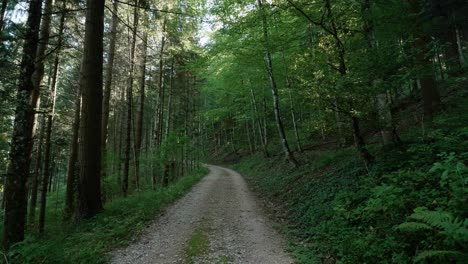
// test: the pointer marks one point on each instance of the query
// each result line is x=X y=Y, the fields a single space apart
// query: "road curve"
x=221 y=206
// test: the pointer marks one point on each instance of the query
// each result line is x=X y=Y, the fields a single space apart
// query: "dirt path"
x=218 y=221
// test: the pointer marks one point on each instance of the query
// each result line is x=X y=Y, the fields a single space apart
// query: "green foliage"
x=89 y=241
x=410 y=207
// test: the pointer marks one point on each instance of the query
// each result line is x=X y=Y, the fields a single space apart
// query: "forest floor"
x=219 y=221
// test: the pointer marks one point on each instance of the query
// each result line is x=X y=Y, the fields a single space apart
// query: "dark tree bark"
x=36 y=174
x=274 y=89
x=160 y=104
x=169 y=102
x=35 y=100
x=46 y=175
x=382 y=102
x=15 y=194
x=41 y=52
x=429 y=93
x=129 y=103
x=72 y=160
x=141 y=97
x=2 y=16
x=107 y=86
x=50 y=117
x=89 y=187
x=360 y=144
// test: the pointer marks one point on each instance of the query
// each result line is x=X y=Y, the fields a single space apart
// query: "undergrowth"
x=89 y=241
x=410 y=207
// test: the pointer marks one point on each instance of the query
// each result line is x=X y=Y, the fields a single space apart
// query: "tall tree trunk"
x=361 y=146
x=129 y=102
x=274 y=89
x=141 y=100
x=47 y=157
x=260 y=130
x=249 y=140
x=15 y=193
x=36 y=174
x=169 y=102
x=160 y=104
x=382 y=104
x=72 y=159
x=293 y=116
x=2 y=16
x=429 y=93
x=89 y=187
x=41 y=55
x=121 y=135
x=107 y=87
x=50 y=117
x=343 y=71
x=461 y=56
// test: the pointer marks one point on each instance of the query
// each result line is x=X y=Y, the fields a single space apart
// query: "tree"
x=89 y=187
x=274 y=90
x=50 y=118
x=15 y=194
x=108 y=85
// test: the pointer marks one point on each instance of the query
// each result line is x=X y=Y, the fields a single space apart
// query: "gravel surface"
x=223 y=207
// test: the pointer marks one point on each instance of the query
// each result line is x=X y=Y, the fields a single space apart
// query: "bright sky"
x=20 y=13
x=208 y=27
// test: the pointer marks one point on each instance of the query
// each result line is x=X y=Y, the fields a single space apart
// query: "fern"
x=413 y=227
x=454 y=229
x=444 y=222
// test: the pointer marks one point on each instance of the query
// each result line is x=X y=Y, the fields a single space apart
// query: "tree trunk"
x=46 y=175
x=73 y=158
x=249 y=140
x=429 y=93
x=382 y=104
x=274 y=89
x=107 y=88
x=2 y=16
x=361 y=146
x=461 y=56
x=47 y=155
x=169 y=102
x=160 y=104
x=36 y=174
x=141 y=101
x=15 y=193
x=293 y=116
x=129 y=102
x=89 y=187
x=260 y=130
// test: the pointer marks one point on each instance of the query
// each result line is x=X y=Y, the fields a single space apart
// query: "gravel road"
x=222 y=213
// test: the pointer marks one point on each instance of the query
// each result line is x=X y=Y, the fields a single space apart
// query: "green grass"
x=89 y=241
x=337 y=211
x=198 y=244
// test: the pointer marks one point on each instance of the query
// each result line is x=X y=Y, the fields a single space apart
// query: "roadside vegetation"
x=91 y=240
x=410 y=206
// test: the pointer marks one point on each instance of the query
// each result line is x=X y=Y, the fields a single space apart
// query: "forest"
x=347 y=120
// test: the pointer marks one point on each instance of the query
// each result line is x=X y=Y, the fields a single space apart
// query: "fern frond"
x=413 y=227
x=437 y=219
